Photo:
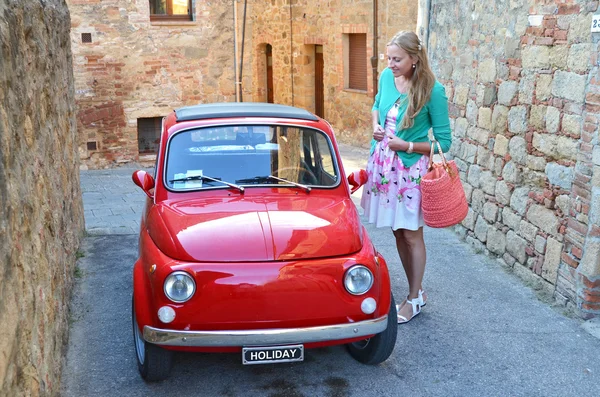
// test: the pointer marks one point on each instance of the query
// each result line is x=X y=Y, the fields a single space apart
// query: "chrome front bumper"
x=263 y=337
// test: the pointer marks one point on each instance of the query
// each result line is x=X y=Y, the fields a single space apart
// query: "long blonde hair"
x=422 y=80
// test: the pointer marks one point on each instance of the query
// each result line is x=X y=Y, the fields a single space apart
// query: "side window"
x=326 y=159
x=317 y=157
x=308 y=150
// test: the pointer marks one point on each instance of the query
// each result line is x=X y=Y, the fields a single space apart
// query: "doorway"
x=269 y=54
x=319 y=91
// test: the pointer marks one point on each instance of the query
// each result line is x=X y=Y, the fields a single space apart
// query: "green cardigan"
x=433 y=115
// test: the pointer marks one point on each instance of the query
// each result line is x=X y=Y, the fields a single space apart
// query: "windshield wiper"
x=264 y=178
x=207 y=178
x=254 y=179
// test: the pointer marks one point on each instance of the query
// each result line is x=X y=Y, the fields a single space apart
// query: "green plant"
x=78 y=273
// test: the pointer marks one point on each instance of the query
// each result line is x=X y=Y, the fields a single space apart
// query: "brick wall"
x=41 y=214
x=521 y=78
x=134 y=68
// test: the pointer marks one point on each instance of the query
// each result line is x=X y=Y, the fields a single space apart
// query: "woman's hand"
x=378 y=132
x=396 y=144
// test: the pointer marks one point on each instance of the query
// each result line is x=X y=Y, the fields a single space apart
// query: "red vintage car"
x=250 y=243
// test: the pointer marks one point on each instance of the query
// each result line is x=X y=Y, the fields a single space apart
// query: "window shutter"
x=357 y=61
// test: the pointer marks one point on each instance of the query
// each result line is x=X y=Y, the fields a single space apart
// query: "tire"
x=154 y=363
x=375 y=350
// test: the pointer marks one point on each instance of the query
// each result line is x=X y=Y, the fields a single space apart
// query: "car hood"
x=248 y=230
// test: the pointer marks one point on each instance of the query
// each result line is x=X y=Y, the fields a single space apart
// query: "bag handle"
x=431 y=152
x=451 y=172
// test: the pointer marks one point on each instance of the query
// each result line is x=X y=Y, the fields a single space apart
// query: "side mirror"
x=357 y=179
x=145 y=181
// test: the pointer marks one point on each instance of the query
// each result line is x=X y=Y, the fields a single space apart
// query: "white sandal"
x=421 y=301
x=416 y=309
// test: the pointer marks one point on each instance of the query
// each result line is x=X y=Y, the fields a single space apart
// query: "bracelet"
x=410 y=148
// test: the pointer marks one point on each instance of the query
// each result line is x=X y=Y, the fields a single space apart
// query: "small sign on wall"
x=535 y=20
x=595 y=23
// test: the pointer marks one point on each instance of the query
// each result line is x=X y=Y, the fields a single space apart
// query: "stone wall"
x=522 y=79
x=41 y=216
x=134 y=68
x=293 y=28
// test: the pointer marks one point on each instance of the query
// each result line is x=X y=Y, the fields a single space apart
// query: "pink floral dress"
x=392 y=195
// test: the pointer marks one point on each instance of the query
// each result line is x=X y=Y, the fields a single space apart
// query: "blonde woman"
x=409 y=102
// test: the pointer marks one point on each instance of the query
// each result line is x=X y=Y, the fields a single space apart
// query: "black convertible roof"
x=241 y=109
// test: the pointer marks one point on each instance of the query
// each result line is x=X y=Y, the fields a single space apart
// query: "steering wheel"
x=301 y=171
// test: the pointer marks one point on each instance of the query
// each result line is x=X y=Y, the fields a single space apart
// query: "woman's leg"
x=404 y=253
x=411 y=248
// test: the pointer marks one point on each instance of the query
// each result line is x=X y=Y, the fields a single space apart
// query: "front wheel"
x=375 y=350
x=154 y=363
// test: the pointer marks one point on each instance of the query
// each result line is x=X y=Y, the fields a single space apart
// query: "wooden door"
x=269 y=73
x=319 y=91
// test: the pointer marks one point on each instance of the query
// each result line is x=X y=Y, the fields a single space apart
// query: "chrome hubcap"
x=361 y=344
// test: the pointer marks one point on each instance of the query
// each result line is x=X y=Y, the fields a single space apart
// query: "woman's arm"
x=375 y=117
x=398 y=144
x=378 y=131
x=438 y=113
x=440 y=123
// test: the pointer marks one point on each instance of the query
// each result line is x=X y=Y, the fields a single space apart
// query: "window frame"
x=276 y=132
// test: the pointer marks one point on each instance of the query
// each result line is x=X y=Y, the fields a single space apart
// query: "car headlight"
x=179 y=287
x=358 y=280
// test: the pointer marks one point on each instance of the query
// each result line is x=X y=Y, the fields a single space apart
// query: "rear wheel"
x=154 y=363
x=375 y=350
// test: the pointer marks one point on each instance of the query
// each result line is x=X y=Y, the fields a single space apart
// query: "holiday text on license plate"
x=272 y=354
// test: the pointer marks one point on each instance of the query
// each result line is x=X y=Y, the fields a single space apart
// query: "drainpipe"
x=292 y=50
x=375 y=49
x=240 y=76
x=235 y=53
x=423 y=21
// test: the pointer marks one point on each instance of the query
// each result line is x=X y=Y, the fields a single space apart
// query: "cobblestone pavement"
x=112 y=203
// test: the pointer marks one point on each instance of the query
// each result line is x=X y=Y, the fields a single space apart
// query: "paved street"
x=484 y=331
x=112 y=202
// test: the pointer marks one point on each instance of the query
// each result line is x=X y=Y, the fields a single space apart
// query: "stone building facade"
x=524 y=89
x=131 y=68
x=41 y=214
x=298 y=30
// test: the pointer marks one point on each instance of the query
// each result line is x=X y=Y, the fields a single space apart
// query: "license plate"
x=272 y=354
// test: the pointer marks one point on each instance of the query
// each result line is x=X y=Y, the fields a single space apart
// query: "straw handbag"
x=443 y=199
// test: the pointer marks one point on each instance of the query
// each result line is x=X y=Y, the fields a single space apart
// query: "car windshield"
x=250 y=155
